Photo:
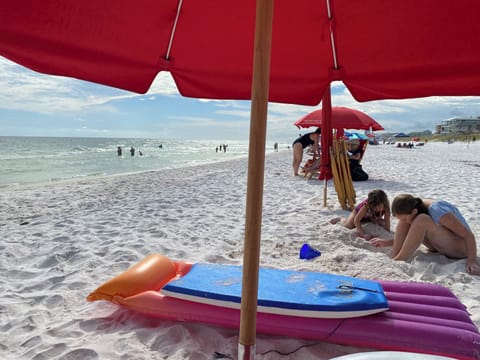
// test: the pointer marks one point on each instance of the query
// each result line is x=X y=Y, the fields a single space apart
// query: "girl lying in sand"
x=437 y=224
x=375 y=209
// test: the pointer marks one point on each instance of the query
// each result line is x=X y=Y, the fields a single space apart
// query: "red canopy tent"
x=379 y=49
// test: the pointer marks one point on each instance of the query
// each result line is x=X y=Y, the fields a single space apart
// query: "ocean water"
x=38 y=160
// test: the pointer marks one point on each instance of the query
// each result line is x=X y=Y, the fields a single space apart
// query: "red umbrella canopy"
x=342 y=118
x=379 y=49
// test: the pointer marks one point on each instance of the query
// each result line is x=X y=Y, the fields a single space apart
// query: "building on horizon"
x=459 y=125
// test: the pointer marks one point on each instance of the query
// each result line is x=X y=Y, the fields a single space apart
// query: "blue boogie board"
x=285 y=292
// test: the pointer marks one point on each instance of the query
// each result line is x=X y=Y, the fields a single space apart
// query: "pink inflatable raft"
x=387 y=315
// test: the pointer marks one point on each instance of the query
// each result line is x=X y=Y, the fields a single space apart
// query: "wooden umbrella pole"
x=336 y=183
x=334 y=166
x=340 y=187
x=352 y=188
x=256 y=169
x=364 y=149
x=343 y=161
x=345 y=173
x=334 y=170
x=348 y=179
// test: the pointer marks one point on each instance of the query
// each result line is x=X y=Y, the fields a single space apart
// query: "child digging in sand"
x=438 y=225
x=375 y=209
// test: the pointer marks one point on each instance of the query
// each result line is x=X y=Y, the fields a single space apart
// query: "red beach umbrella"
x=380 y=50
x=250 y=50
x=342 y=118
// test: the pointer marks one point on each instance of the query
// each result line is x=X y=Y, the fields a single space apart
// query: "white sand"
x=58 y=243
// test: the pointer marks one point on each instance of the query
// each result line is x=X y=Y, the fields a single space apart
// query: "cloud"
x=45 y=96
x=25 y=90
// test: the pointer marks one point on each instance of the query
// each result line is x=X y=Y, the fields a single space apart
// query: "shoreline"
x=93 y=178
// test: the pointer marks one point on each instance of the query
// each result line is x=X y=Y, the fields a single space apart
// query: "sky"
x=34 y=104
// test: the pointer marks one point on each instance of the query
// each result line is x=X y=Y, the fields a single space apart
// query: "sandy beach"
x=59 y=242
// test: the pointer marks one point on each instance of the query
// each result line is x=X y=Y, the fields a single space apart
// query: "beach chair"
x=311 y=167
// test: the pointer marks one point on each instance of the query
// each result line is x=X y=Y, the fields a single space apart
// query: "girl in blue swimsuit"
x=438 y=225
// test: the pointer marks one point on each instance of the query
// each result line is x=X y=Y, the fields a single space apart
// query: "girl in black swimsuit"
x=301 y=143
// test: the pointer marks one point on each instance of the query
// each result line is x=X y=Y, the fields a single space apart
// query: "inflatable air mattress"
x=421 y=318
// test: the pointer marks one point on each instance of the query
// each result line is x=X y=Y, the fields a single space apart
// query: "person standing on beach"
x=132 y=151
x=119 y=151
x=300 y=144
x=375 y=209
x=438 y=225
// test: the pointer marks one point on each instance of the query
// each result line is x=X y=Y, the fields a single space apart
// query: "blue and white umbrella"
x=355 y=135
